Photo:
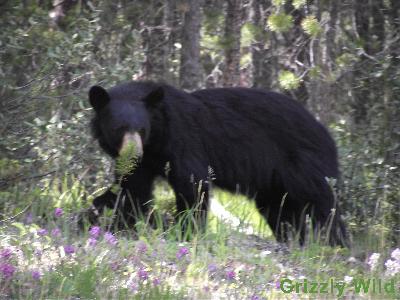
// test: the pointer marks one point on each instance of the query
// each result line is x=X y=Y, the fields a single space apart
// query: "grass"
x=44 y=256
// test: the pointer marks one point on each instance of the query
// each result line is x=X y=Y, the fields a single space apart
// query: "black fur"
x=259 y=143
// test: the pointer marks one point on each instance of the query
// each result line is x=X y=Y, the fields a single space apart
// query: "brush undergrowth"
x=44 y=255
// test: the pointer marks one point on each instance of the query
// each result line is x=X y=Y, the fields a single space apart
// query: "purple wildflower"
x=28 y=218
x=278 y=285
x=114 y=265
x=42 y=232
x=133 y=286
x=58 y=212
x=69 y=249
x=212 y=268
x=142 y=274
x=141 y=247
x=92 y=242
x=6 y=253
x=38 y=252
x=36 y=275
x=255 y=297
x=110 y=238
x=95 y=232
x=56 y=232
x=7 y=270
x=230 y=275
x=156 y=281
x=183 y=251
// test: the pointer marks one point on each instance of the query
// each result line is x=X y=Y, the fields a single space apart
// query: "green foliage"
x=245 y=211
x=288 y=80
x=315 y=72
x=374 y=220
x=280 y=22
x=245 y=60
x=249 y=33
x=311 y=26
x=212 y=33
x=65 y=191
x=127 y=160
x=345 y=60
x=9 y=167
x=278 y=2
x=299 y=3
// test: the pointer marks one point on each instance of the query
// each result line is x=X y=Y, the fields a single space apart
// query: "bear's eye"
x=120 y=130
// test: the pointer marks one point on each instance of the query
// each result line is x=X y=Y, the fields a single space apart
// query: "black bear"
x=262 y=144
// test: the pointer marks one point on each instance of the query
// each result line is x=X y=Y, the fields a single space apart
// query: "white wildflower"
x=396 y=254
x=373 y=260
x=392 y=267
x=348 y=279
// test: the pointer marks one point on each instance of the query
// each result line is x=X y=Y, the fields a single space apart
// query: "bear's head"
x=122 y=116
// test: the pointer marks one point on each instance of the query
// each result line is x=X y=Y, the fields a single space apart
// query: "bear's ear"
x=154 y=98
x=98 y=97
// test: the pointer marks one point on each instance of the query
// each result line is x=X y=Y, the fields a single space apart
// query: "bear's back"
x=263 y=110
x=260 y=120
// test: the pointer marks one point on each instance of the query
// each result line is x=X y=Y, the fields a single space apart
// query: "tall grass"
x=49 y=258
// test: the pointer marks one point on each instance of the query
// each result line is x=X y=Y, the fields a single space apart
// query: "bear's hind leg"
x=282 y=218
x=317 y=200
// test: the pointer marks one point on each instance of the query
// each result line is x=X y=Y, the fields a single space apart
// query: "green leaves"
x=311 y=26
x=298 y=3
x=127 y=160
x=288 y=80
x=278 y=2
x=280 y=22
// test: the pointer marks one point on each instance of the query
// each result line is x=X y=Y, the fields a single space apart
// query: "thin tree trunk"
x=361 y=93
x=262 y=70
x=394 y=14
x=331 y=47
x=392 y=95
x=171 y=22
x=378 y=26
x=233 y=24
x=60 y=8
x=190 y=70
x=154 y=40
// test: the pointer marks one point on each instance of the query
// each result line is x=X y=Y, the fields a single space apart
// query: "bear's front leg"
x=105 y=200
x=99 y=203
x=129 y=197
x=133 y=200
x=192 y=198
x=93 y=213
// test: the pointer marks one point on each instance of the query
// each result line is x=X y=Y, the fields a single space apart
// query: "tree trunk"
x=171 y=22
x=361 y=93
x=392 y=95
x=394 y=14
x=233 y=24
x=331 y=47
x=377 y=37
x=262 y=70
x=154 y=40
x=60 y=8
x=190 y=69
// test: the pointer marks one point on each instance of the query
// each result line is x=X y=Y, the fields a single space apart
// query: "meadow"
x=44 y=255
